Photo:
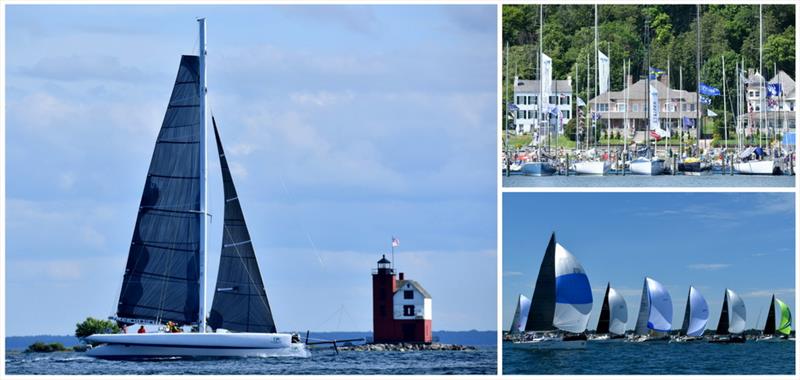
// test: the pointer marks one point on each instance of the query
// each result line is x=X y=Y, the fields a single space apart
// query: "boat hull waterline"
x=538 y=169
x=647 y=167
x=592 y=167
x=160 y=345
x=766 y=167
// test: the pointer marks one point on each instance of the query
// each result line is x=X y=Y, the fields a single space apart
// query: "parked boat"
x=647 y=166
x=165 y=275
x=538 y=168
x=730 y=328
x=592 y=167
x=695 y=318
x=779 y=322
x=757 y=167
x=561 y=303
x=655 y=313
x=694 y=166
x=613 y=316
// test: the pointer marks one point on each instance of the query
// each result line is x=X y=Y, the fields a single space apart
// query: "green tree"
x=94 y=326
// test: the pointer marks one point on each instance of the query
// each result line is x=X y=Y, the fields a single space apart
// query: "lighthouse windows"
x=408 y=310
x=408 y=294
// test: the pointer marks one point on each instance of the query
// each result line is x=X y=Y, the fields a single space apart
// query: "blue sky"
x=343 y=125
x=742 y=241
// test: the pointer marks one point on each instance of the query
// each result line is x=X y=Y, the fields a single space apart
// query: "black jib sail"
x=162 y=275
x=769 y=328
x=722 y=326
x=240 y=300
x=605 y=315
x=543 y=303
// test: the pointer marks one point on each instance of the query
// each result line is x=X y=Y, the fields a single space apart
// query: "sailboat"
x=613 y=316
x=655 y=313
x=764 y=165
x=542 y=165
x=695 y=318
x=520 y=317
x=561 y=303
x=594 y=166
x=777 y=329
x=165 y=274
x=730 y=328
x=647 y=162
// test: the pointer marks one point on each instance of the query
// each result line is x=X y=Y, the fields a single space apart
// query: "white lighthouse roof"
x=401 y=285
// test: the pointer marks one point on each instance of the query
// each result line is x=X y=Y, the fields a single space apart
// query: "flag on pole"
x=395 y=242
x=773 y=89
x=687 y=122
x=708 y=90
x=705 y=99
x=603 y=74
x=547 y=81
x=655 y=135
x=654 y=72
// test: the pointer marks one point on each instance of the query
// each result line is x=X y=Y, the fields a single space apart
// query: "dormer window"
x=408 y=294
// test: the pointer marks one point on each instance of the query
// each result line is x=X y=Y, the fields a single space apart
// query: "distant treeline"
x=727 y=30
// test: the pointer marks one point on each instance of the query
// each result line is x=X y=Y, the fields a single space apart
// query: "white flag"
x=654 y=126
x=547 y=81
x=603 y=71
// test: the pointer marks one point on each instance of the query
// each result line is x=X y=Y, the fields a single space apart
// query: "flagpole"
x=680 y=134
x=724 y=105
x=698 y=122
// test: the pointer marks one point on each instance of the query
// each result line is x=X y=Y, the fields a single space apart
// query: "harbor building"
x=779 y=109
x=526 y=97
x=673 y=105
x=401 y=308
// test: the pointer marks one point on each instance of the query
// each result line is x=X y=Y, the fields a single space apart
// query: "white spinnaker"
x=573 y=293
x=618 y=312
x=698 y=313
x=521 y=314
x=660 y=318
x=737 y=313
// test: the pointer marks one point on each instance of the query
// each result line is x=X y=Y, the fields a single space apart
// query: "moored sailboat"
x=779 y=322
x=165 y=275
x=655 y=313
x=730 y=328
x=695 y=318
x=561 y=303
x=613 y=316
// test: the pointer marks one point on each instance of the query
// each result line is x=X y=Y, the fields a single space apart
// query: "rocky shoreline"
x=402 y=347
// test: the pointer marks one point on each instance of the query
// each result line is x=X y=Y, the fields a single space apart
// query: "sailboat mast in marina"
x=561 y=303
x=165 y=274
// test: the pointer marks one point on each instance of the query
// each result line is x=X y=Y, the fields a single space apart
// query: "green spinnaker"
x=786 y=318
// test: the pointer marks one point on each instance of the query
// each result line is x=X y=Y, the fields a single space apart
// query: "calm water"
x=482 y=361
x=655 y=358
x=708 y=180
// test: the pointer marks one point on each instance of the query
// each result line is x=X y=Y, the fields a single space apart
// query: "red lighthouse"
x=401 y=309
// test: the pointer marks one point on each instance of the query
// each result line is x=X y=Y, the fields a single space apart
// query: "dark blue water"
x=708 y=180
x=655 y=358
x=321 y=362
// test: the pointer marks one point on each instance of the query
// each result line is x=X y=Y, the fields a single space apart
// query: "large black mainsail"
x=240 y=300
x=687 y=314
x=543 y=303
x=162 y=274
x=769 y=328
x=722 y=326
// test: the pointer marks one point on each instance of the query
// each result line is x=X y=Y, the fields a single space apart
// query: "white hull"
x=771 y=339
x=167 y=345
x=592 y=167
x=647 y=167
x=754 y=167
x=550 y=344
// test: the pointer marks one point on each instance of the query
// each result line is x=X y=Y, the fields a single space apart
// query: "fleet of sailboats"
x=558 y=314
x=165 y=275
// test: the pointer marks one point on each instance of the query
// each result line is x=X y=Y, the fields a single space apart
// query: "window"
x=566 y=100
x=683 y=107
x=535 y=99
x=408 y=310
x=408 y=294
x=602 y=107
x=519 y=99
x=621 y=107
x=635 y=107
x=552 y=99
x=692 y=107
x=758 y=93
x=565 y=114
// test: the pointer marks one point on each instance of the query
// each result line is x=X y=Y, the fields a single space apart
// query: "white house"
x=778 y=112
x=412 y=301
x=526 y=97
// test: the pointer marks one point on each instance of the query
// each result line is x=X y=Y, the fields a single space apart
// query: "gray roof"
x=637 y=93
x=530 y=85
x=787 y=83
x=402 y=283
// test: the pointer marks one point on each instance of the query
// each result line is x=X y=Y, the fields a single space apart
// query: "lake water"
x=321 y=362
x=655 y=358
x=707 y=180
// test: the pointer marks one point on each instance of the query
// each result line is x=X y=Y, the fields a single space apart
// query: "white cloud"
x=66 y=180
x=237 y=170
x=510 y=273
x=708 y=266
x=322 y=98
x=769 y=292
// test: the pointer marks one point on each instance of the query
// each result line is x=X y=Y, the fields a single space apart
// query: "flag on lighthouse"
x=395 y=242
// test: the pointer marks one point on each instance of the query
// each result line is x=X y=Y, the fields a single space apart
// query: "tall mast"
x=647 y=85
x=680 y=113
x=505 y=120
x=724 y=105
x=575 y=115
x=589 y=109
x=203 y=174
x=540 y=114
x=697 y=67
x=761 y=70
x=596 y=78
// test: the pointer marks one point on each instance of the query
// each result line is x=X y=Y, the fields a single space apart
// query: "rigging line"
x=308 y=233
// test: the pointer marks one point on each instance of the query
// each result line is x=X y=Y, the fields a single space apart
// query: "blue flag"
x=708 y=90
x=774 y=89
x=654 y=72
x=513 y=107
x=705 y=99
x=687 y=122
x=596 y=115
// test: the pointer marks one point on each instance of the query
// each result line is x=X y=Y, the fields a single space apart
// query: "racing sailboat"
x=655 y=313
x=779 y=322
x=695 y=318
x=613 y=316
x=165 y=274
x=561 y=303
x=730 y=328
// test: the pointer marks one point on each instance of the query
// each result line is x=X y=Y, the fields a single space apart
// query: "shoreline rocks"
x=402 y=347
